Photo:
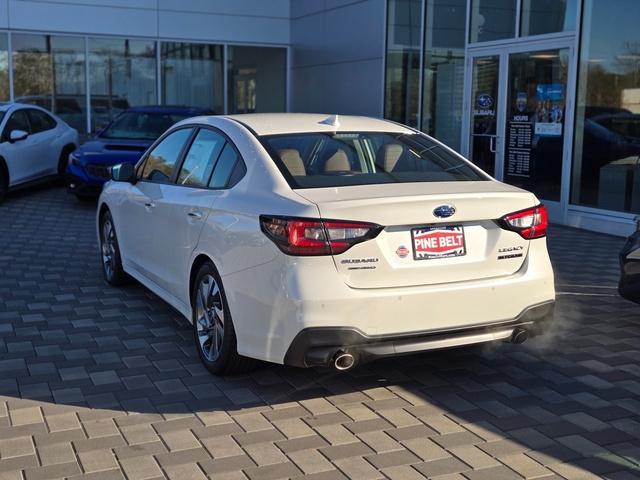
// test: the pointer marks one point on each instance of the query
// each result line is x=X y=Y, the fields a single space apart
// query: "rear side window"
x=159 y=165
x=363 y=158
x=40 y=121
x=17 y=121
x=201 y=158
x=224 y=170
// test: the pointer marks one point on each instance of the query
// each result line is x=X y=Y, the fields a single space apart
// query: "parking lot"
x=102 y=383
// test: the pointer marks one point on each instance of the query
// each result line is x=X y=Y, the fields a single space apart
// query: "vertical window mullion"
x=10 y=65
x=87 y=83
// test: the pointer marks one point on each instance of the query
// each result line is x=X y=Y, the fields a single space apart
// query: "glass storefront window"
x=492 y=20
x=122 y=74
x=49 y=71
x=192 y=75
x=443 y=78
x=402 y=77
x=606 y=154
x=4 y=67
x=257 y=79
x=547 y=16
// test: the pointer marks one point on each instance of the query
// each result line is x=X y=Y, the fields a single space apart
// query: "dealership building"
x=542 y=94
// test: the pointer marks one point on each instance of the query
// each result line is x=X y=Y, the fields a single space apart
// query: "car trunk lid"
x=416 y=247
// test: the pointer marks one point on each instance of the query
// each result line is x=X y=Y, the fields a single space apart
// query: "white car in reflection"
x=315 y=241
x=34 y=145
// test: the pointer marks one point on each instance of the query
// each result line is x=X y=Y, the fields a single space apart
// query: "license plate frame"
x=426 y=231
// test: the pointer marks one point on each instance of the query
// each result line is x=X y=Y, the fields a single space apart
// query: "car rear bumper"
x=629 y=286
x=319 y=346
x=273 y=302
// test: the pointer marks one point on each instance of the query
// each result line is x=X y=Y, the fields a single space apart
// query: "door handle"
x=493 y=140
x=149 y=204
x=195 y=214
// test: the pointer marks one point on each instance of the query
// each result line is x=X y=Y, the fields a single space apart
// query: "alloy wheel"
x=108 y=248
x=210 y=318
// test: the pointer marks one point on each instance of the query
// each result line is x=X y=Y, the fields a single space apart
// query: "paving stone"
x=346 y=451
x=273 y=472
x=310 y=461
x=56 y=453
x=357 y=468
x=441 y=467
x=392 y=459
x=97 y=460
x=51 y=472
x=141 y=468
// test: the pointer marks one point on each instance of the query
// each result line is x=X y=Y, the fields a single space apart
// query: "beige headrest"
x=293 y=161
x=338 y=162
x=388 y=156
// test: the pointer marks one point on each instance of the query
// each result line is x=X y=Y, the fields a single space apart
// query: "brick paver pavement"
x=102 y=383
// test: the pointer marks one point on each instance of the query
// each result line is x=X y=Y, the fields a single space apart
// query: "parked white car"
x=310 y=241
x=34 y=145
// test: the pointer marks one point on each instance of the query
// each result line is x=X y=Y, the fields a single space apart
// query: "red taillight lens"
x=303 y=236
x=531 y=223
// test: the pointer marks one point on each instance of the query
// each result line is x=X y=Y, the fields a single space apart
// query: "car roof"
x=171 y=110
x=281 y=123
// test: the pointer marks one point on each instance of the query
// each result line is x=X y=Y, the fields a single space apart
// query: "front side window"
x=140 y=126
x=159 y=165
x=201 y=159
x=364 y=158
x=17 y=121
x=40 y=121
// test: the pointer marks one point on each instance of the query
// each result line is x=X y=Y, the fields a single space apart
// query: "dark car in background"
x=123 y=140
x=629 y=286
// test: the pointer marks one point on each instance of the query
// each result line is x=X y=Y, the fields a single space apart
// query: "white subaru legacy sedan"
x=322 y=241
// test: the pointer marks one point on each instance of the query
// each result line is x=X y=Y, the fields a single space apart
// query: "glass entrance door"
x=517 y=117
x=483 y=140
x=535 y=121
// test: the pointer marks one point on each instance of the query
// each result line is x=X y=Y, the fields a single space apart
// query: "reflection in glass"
x=4 y=68
x=484 y=116
x=49 y=71
x=257 y=79
x=535 y=121
x=402 y=78
x=547 y=16
x=122 y=73
x=443 y=77
x=492 y=20
x=606 y=162
x=192 y=75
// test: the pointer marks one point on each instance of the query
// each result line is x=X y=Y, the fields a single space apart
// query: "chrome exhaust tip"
x=343 y=361
x=519 y=335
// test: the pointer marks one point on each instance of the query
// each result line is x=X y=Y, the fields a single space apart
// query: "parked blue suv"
x=125 y=139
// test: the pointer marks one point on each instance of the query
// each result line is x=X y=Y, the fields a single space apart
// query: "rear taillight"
x=530 y=223
x=304 y=236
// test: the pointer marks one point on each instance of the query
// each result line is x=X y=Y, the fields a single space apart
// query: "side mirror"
x=17 y=135
x=123 y=172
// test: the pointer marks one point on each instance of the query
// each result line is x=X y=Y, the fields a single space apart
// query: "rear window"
x=363 y=158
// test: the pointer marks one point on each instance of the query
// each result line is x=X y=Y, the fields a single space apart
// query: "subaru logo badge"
x=444 y=211
x=485 y=101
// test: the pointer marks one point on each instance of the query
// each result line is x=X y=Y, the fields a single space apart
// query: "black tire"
x=221 y=358
x=64 y=159
x=110 y=252
x=4 y=184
